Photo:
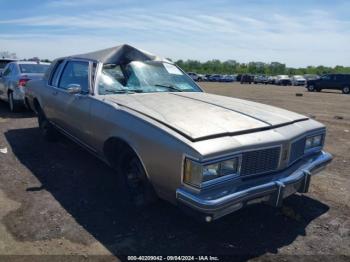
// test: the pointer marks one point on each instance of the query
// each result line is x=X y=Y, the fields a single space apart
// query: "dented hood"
x=198 y=116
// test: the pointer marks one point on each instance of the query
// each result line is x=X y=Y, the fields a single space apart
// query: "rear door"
x=343 y=81
x=337 y=81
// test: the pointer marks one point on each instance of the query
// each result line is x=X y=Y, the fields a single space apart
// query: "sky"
x=297 y=33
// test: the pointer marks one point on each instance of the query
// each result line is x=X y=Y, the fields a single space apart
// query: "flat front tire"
x=140 y=189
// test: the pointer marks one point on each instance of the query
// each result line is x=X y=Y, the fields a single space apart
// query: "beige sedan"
x=145 y=117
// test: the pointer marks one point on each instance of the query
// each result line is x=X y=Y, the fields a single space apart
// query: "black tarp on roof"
x=122 y=54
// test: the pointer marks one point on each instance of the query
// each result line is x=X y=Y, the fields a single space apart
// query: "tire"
x=346 y=90
x=12 y=105
x=140 y=189
x=311 y=88
x=47 y=129
x=318 y=89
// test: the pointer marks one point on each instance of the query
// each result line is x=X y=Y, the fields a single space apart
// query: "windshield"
x=33 y=68
x=144 y=77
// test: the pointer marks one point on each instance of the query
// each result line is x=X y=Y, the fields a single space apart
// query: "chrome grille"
x=297 y=150
x=260 y=161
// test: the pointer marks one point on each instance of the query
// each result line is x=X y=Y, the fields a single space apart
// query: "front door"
x=325 y=82
x=72 y=111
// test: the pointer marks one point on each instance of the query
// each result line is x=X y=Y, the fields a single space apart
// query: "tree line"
x=233 y=67
x=274 y=68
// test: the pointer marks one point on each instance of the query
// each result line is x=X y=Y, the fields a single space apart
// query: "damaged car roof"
x=122 y=54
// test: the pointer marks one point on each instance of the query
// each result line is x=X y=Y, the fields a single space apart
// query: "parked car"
x=260 y=79
x=298 y=80
x=215 y=78
x=206 y=77
x=271 y=80
x=202 y=77
x=14 y=79
x=247 y=79
x=196 y=77
x=311 y=77
x=227 y=78
x=330 y=81
x=209 y=154
x=283 y=80
x=4 y=62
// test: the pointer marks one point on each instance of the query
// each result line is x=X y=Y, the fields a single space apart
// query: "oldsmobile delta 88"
x=145 y=117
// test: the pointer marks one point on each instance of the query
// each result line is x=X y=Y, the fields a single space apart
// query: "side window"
x=75 y=72
x=8 y=70
x=14 y=70
x=57 y=69
x=326 y=77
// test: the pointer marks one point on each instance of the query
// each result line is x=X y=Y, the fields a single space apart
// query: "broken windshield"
x=144 y=77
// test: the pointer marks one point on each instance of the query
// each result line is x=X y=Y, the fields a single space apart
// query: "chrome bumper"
x=272 y=189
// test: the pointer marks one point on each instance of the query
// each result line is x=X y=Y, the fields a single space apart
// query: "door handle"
x=54 y=93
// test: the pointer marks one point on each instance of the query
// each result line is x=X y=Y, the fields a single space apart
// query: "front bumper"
x=214 y=203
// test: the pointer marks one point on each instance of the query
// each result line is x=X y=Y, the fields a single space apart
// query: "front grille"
x=297 y=150
x=260 y=161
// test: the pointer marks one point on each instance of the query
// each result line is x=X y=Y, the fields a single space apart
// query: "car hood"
x=198 y=116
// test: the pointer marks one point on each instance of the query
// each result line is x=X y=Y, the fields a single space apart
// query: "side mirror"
x=0 y=74
x=74 y=89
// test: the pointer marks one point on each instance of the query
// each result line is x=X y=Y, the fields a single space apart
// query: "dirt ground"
x=57 y=199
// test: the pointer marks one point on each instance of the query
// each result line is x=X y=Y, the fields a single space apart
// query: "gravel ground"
x=57 y=199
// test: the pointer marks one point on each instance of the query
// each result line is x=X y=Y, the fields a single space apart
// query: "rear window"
x=33 y=68
x=346 y=77
x=3 y=63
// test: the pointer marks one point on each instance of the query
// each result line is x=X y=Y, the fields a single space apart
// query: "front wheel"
x=311 y=88
x=140 y=189
x=346 y=90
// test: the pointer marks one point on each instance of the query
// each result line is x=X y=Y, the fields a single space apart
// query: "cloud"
x=311 y=36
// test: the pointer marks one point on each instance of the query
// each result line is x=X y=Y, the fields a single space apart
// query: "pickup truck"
x=166 y=138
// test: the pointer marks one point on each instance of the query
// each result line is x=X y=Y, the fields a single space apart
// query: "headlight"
x=313 y=141
x=197 y=174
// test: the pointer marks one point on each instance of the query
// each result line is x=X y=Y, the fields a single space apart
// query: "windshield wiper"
x=171 y=87
x=136 y=90
x=114 y=91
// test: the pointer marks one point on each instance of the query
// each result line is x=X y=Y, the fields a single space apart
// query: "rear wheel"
x=346 y=90
x=46 y=128
x=140 y=189
x=12 y=105
x=311 y=88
